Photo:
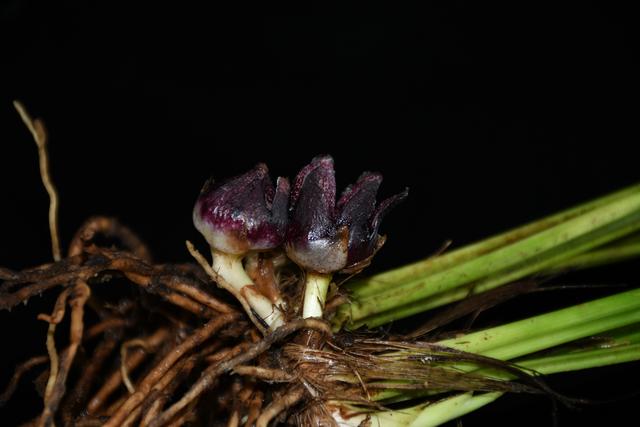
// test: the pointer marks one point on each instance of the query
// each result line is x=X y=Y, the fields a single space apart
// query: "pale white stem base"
x=230 y=268
x=268 y=311
x=379 y=419
x=315 y=294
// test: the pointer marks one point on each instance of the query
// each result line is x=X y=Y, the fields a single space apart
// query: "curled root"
x=112 y=229
x=80 y=295
x=289 y=399
x=170 y=359
x=22 y=369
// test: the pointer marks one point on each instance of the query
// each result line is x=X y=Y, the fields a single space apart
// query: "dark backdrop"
x=492 y=115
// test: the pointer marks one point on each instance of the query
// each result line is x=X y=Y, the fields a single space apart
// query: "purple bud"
x=243 y=213
x=313 y=241
x=358 y=212
x=325 y=237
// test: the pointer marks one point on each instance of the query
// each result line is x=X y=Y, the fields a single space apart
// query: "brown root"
x=155 y=375
x=112 y=229
x=115 y=379
x=208 y=377
x=265 y=374
x=81 y=293
x=22 y=369
x=276 y=407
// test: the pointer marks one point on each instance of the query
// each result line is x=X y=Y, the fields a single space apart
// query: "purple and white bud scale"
x=243 y=213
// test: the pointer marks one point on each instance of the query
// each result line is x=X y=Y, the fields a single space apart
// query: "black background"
x=493 y=115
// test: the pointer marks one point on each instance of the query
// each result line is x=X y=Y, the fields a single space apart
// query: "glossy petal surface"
x=243 y=213
x=326 y=237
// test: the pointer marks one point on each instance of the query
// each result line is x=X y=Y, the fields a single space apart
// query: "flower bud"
x=243 y=213
x=326 y=237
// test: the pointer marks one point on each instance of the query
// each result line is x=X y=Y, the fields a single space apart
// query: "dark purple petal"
x=356 y=208
x=313 y=240
x=358 y=202
x=326 y=237
x=313 y=200
x=235 y=216
x=280 y=205
x=320 y=174
x=385 y=207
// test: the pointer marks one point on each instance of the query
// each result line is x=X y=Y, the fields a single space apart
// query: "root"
x=54 y=319
x=165 y=387
x=106 y=325
x=115 y=380
x=255 y=406
x=22 y=369
x=154 y=376
x=112 y=229
x=234 y=419
x=123 y=361
x=132 y=418
x=39 y=133
x=81 y=293
x=190 y=289
x=265 y=374
x=290 y=398
x=210 y=374
x=78 y=395
x=171 y=287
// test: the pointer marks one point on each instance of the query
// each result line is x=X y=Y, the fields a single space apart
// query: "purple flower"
x=325 y=237
x=243 y=213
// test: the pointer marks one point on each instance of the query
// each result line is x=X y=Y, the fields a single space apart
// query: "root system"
x=164 y=345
